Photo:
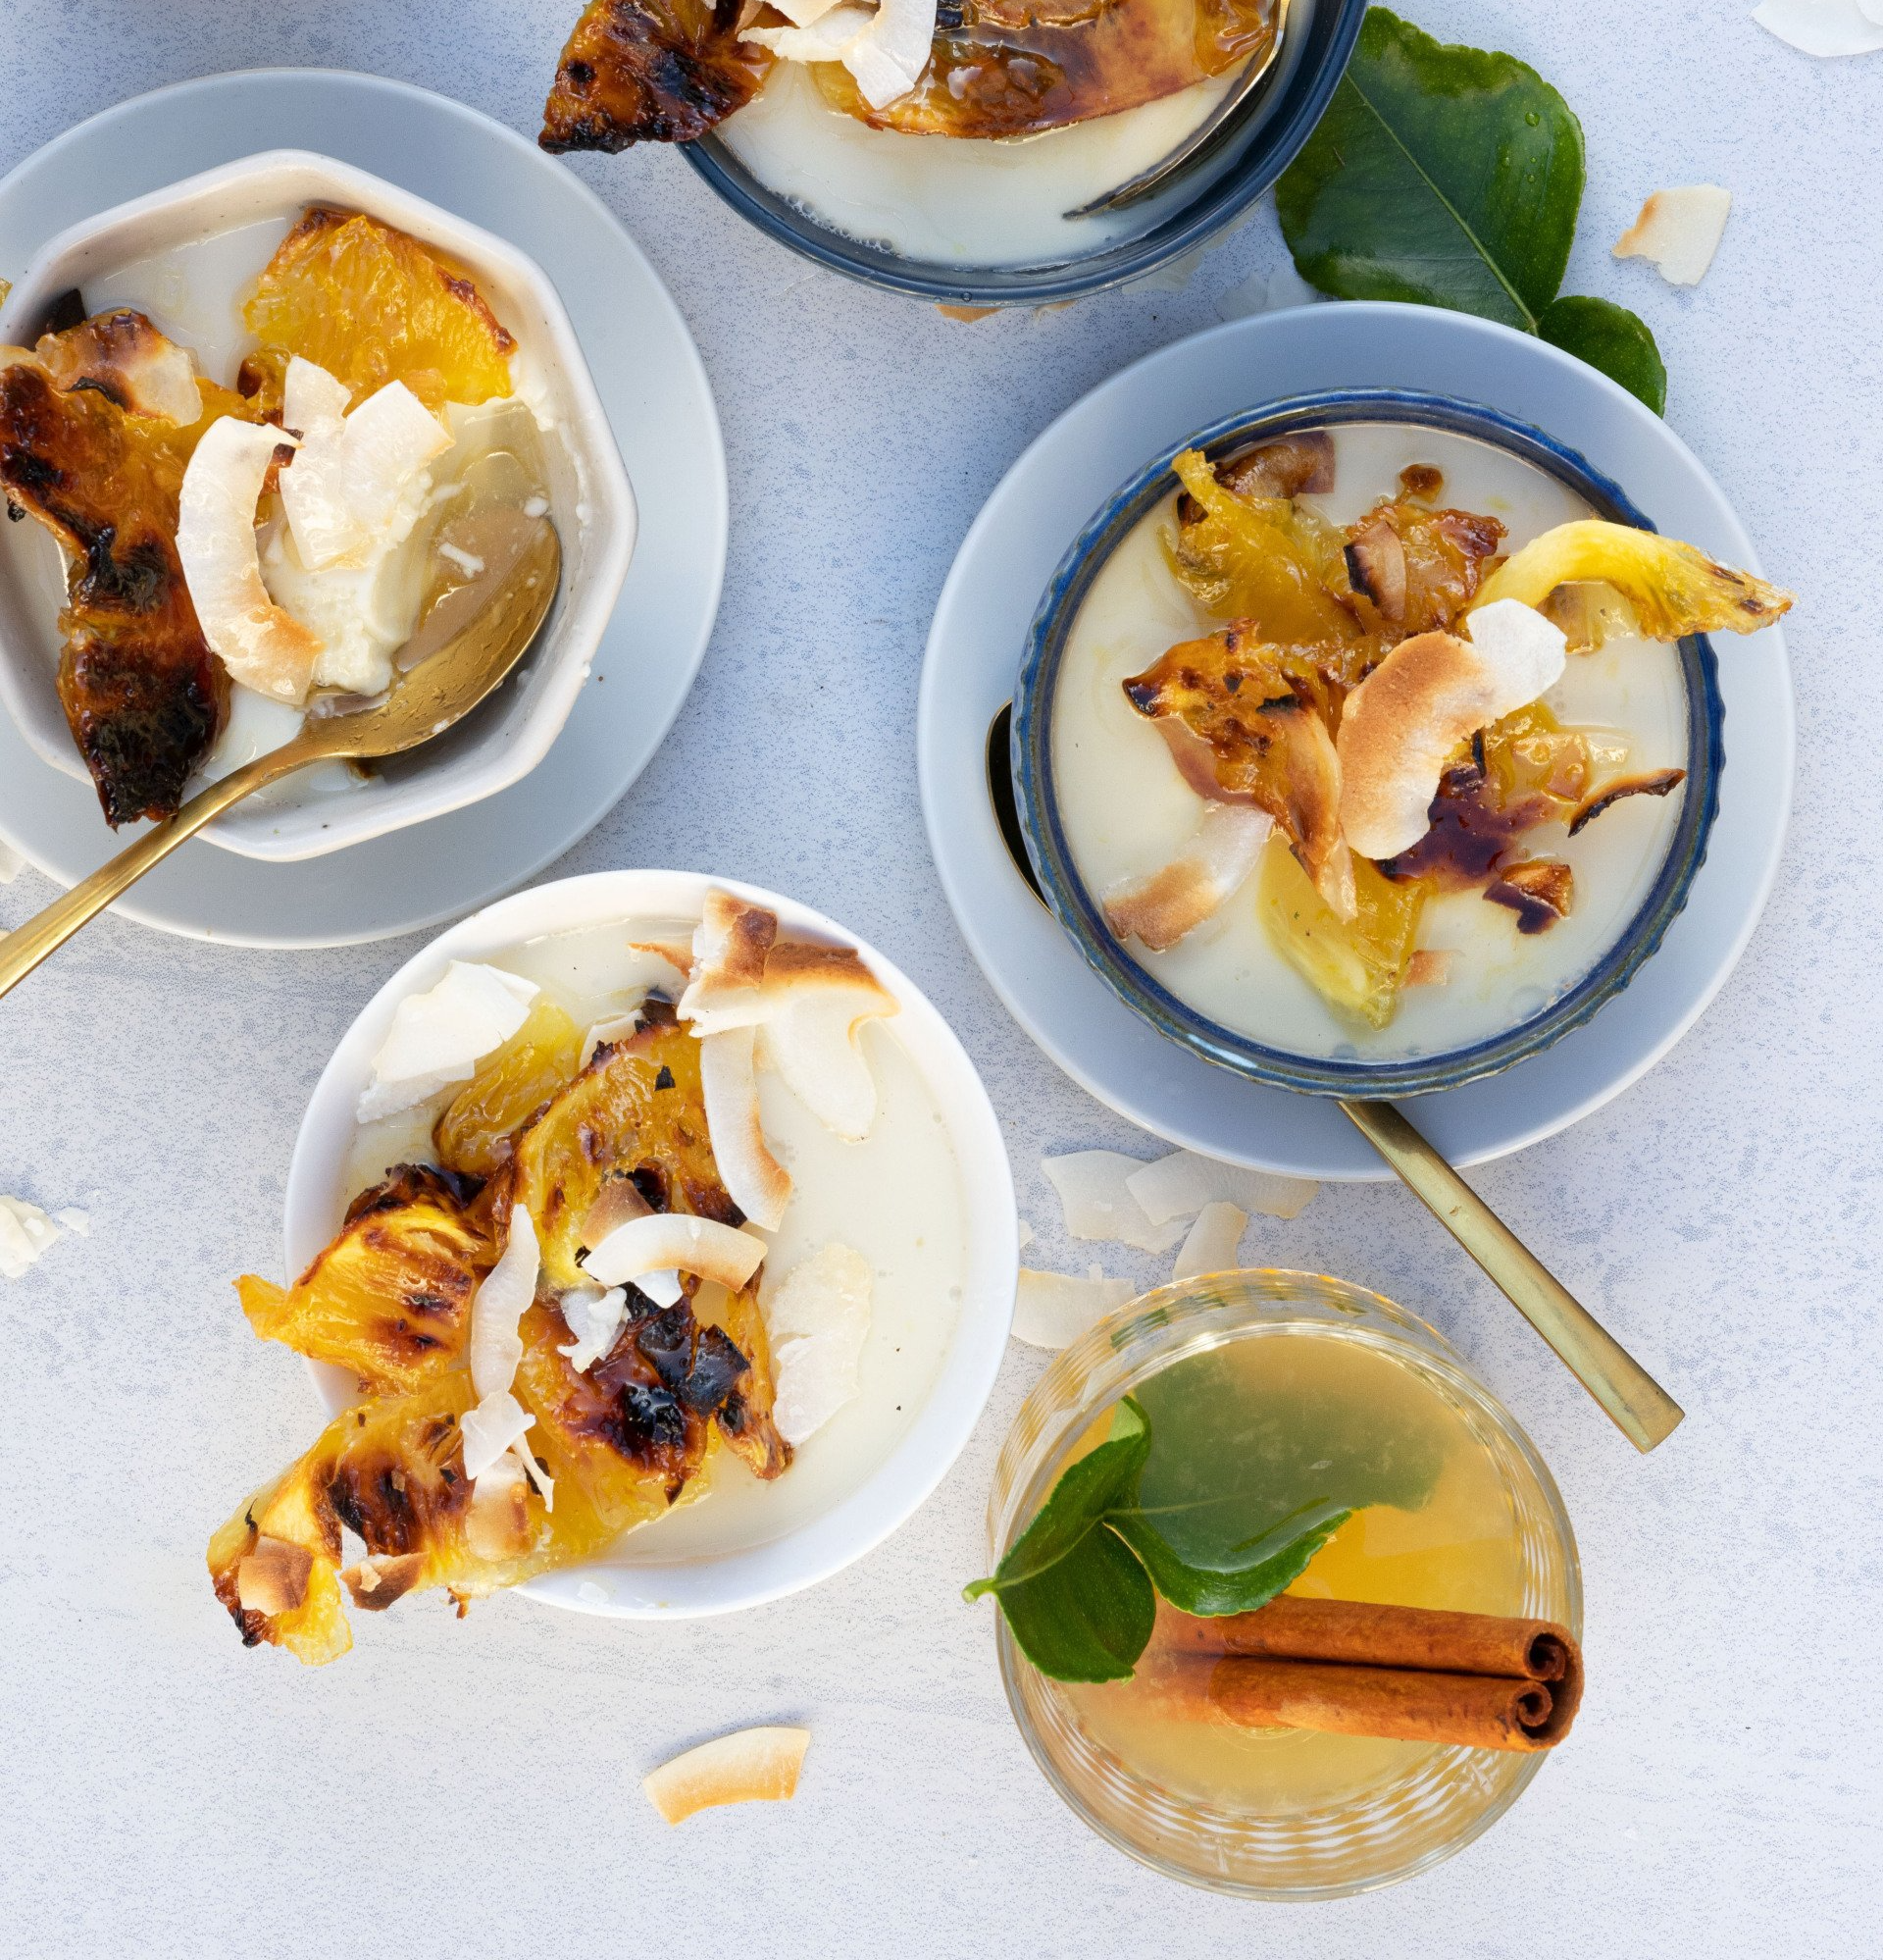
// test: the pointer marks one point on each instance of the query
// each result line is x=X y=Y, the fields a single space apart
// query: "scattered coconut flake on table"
x=1827 y=28
x=26 y=1234
x=1180 y=1185
x=438 y=1037
x=1267 y=293
x=1678 y=231
x=1094 y=1190
x=1053 y=1310
x=817 y=1323
x=1214 y=1244
x=11 y=863
x=749 y=1766
x=1027 y=1234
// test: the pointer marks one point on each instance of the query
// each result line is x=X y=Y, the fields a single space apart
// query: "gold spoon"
x=468 y=642
x=1147 y=182
x=1631 y=1398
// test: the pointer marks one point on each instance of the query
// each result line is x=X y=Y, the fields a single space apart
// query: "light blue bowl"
x=1080 y=915
x=1263 y=136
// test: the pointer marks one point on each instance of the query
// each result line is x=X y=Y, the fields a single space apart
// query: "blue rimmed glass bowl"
x=1255 y=146
x=1081 y=916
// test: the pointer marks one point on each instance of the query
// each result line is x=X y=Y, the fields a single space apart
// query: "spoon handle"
x=42 y=935
x=1637 y=1406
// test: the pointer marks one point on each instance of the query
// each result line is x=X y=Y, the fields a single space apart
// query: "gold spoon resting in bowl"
x=471 y=640
x=1630 y=1397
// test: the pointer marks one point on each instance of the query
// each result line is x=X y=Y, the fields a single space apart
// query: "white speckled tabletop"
x=473 y=1788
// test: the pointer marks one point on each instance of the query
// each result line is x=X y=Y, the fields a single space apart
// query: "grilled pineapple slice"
x=1359 y=965
x=473 y=1133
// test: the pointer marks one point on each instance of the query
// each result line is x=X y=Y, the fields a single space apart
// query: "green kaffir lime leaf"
x=1609 y=337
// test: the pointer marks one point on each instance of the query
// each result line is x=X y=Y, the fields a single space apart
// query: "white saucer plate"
x=979 y=629
x=659 y=405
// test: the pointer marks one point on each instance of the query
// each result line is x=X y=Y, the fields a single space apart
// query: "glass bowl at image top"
x=1256 y=143
x=1081 y=916
x=1437 y=1799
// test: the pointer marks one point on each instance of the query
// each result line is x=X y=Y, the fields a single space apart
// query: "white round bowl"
x=593 y=504
x=651 y=1588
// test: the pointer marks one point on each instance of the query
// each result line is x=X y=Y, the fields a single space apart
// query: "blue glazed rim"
x=1271 y=127
x=1070 y=902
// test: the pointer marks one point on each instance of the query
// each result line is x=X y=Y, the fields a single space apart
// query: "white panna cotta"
x=897 y=1197
x=1127 y=811
x=976 y=201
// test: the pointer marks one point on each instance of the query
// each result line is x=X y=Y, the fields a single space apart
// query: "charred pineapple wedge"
x=393 y=1300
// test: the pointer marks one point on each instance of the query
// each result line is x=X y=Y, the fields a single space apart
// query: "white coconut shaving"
x=1094 y=1191
x=1266 y=293
x=1678 y=231
x=501 y=1300
x=817 y=1323
x=595 y=1317
x=616 y=1028
x=11 y=864
x=1053 y=1310
x=1214 y=1243
x=1180 y=1185
x=1830 y=29
x=886 y=49
x=664 y=1244
x=26 y=1235
x=438 y=1037
x=490 y=1429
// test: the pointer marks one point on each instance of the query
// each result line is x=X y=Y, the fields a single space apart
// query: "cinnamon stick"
x=1401 y=1704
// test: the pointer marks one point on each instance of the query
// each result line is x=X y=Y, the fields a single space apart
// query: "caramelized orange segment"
x=1356 y=966
x=473 y=1133
x=390 y=1299
x=372 y=305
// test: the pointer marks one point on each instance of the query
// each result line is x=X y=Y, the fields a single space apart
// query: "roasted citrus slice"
x=1673 y=588
x=473 y=1133
x=390 y=1299
x=1356 y=966
x=650 y=72
x=372 y=305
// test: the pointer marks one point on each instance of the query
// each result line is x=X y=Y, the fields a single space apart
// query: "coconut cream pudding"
x=667 y=1259
x=268 y=459
x=960 y=134
x=1370 y=742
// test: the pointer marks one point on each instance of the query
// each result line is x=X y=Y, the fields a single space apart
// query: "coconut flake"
x=616 y=1028
x=496 y=1525
x=1678 y=231
x=1173 y=901
x=1267 y=293
x=670 y=1242
x=595 y=1317
x=438 y=1037
x=817 y=1323
x=1180 y=1185
x=1095 y=1192
x=502 y=1298
x=835 y=31
x=497 y=1422
x=754 y=1179
x=1827 y=28
x=272 y=1577
x=888 y=58
x=11 y=864
x=1053 y=1310
x=1428 y=695
x=754 y=1765
x=1027 y=1234
x=263 y=646
x=1214 y=1244
x=26 y=1234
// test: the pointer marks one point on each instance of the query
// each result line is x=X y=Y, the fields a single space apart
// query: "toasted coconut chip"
x=534 y=1471
x=616 y=1204
x=1214 y=1243
x=1429 y=967
x=1422 y=483
x=497 y=1422
x=438 y=1037
x=1540 y=893
x=1376 y=565
x=595 y=1317
x=262 y=646
x=661 y=965
x=125 y=357
x=1292 y=466
x=829 y=37
x=1175 y=900
x=754 y=1179
x=496 y=1525
x=1657 y=783
x=1053 y=1310
x=273 y=1578
x=813 y=1045
x=381 y=1581
x=1180 y=1185
x=751 y=1766
x=730 y=950
x=1673 y=588
x=1430 y=693
x=817 y=1323
x=635 y=1253
x=888 y=56
x=26 y=1234
x=603 y=1034
x=1094 y=1191
x=1678 y=231
x=1827 y=28
x=502 y=1298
